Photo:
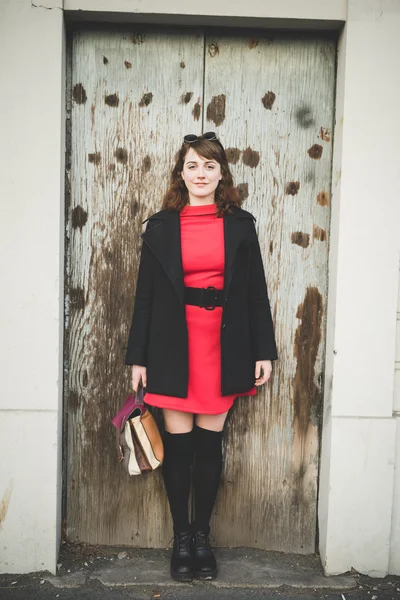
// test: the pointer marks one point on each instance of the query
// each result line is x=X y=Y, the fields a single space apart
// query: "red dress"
x=202 y=245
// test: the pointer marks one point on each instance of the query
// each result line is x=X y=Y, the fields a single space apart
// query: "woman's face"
x=201 y=175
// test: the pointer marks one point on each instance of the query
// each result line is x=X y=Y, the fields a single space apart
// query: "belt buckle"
x=203 y=291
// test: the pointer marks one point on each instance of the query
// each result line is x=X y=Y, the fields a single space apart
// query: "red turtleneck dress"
x=202 y=241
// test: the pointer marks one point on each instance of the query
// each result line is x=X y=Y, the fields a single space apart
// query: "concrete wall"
x=394 y=564
x=359 y=518
x=31 y=264
x=358 y=454
x=329 y=10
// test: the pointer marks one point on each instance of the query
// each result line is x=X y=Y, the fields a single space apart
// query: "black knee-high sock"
x=207 y=474
x=178 y=458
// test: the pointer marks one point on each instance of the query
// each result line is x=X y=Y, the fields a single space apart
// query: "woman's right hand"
x=138 y=373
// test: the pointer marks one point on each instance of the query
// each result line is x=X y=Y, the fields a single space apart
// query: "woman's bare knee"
x=211 y=422
x=177 y=421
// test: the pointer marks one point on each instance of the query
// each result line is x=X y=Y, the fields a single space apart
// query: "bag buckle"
x=208 y=294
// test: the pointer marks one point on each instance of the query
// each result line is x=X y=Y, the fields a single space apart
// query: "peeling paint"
x=94 y=158
x=216 y=109
x=319 y=233
x=315 y=151
x=146 y=99
x=232 y=155
x=268 y=100
x=243 y=189
x=292 y=188
x=5 y=503
x=112 y=100
x=253 y=43
x=186 y=98
x=137 y=39
x=213 y=50
x=323 y=198
x=307 y=396
x=79 y=217
x=79 y=94
x=325 y=134
x=121 y=154
x=300 y=238
x=250 y=157
x=196 y=112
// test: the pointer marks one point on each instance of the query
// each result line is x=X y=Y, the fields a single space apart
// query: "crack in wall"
x=46 y=7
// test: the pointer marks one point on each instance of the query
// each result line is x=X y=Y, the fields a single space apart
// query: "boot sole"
x=205 y=576
x=182 y=576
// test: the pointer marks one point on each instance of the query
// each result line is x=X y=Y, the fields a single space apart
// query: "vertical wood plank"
x=271 y=99
x=133 y=97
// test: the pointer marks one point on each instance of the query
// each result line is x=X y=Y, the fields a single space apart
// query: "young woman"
x=201 y=333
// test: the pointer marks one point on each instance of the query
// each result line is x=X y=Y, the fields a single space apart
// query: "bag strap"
x=140 y=394
x=139 y=399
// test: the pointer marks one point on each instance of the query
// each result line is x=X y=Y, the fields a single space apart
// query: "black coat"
x=158 y=337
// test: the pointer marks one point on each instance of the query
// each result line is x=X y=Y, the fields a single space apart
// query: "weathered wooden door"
x=271 y=100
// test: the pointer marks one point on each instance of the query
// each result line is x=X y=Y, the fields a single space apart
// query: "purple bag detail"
x=132 y=403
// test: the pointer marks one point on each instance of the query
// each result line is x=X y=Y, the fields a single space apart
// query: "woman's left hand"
x=266 y=367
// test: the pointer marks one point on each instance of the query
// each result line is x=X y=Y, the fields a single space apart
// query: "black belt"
x=207 y=298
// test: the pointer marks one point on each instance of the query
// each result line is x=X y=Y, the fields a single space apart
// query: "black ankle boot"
x=205 y=565
x=182 y=557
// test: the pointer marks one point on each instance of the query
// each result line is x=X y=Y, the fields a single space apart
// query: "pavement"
x=99 y=572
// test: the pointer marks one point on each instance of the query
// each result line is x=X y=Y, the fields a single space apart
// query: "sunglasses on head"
x=191 y=137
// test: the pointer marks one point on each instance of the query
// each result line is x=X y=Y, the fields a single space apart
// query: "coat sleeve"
x=136 y=353
x=261 y=326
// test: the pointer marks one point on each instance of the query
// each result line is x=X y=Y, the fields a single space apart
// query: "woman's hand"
x=138 y=373
x=266 y=366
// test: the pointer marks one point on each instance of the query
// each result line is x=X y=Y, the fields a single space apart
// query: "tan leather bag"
x=139 y=443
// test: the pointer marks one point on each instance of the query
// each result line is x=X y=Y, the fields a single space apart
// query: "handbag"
x=139 y=443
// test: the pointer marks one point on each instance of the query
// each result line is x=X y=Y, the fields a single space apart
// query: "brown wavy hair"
x=226 y=194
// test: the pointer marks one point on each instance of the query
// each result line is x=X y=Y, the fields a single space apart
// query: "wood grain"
x=271 y=100
x=133 y=99
x=278 y=101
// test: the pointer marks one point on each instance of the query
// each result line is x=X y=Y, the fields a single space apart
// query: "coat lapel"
x=164 y=240
x=234 y=233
